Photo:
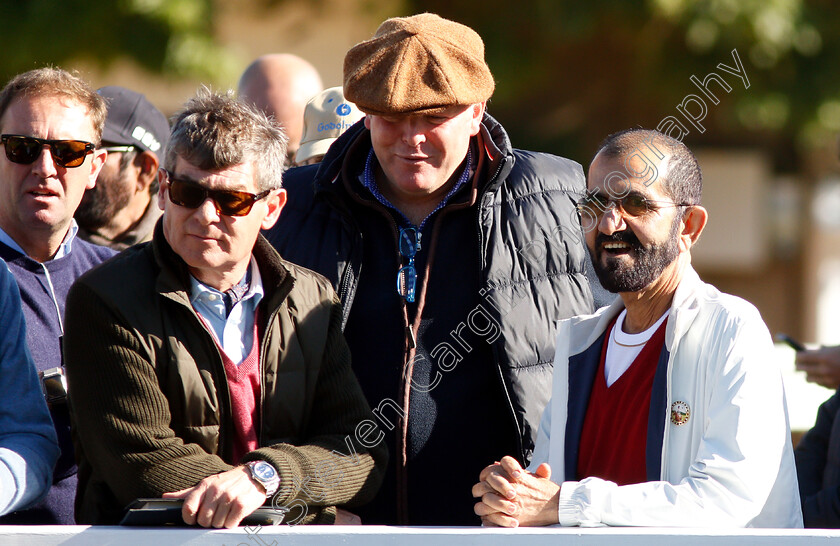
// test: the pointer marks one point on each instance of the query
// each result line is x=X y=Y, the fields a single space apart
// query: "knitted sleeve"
x=120 y=414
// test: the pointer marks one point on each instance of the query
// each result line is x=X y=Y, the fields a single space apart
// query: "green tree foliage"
x=570 y=72
x=170 y=37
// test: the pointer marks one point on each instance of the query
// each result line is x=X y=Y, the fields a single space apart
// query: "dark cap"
x=418 y=64
x=133 y=121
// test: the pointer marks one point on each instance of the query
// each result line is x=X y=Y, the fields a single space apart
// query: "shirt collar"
x=200 y=291
x=63 y=249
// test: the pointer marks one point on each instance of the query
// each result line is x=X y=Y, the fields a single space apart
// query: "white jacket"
x=731 y=464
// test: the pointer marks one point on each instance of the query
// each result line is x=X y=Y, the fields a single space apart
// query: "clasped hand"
x=510 y=496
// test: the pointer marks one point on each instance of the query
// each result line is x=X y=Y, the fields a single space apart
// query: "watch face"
x=264 y=471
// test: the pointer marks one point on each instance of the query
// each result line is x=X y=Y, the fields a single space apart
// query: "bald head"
x=280 y=84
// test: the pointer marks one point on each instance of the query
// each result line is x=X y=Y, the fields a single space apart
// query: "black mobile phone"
x=159 y=512
x=795 y=345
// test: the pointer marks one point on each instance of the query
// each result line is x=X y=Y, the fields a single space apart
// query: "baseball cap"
x=327 y=115
x=133 y=121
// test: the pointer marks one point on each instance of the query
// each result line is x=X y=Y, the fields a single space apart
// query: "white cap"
x=327 y=115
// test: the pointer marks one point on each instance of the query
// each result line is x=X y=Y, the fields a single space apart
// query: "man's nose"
x=209 y=210
x=413 y=132
x=612 y=221
x=45 y=166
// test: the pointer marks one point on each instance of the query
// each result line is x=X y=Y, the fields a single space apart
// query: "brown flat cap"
x=419 y=64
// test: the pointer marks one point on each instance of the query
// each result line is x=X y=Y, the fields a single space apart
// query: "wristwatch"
x=265 y=474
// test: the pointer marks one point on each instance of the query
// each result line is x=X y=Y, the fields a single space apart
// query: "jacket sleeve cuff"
x=568 y=509
x=21 y=483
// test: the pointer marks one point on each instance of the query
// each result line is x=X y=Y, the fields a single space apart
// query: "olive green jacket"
x=150 y=406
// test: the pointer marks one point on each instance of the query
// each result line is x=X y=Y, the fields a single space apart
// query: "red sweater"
x=614 y=436
x=244 y=386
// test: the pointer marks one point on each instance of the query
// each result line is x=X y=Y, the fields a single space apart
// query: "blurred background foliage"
x=568 y=72
x=170 y=37
x=575 y=71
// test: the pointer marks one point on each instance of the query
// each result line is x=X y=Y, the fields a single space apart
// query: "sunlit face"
x=113 y=192
x=42 y=196
x=419 y=153
x=629 y=253
x=213 y=245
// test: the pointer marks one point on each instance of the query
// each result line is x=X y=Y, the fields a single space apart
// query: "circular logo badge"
x=343 y=109
x=680 y=413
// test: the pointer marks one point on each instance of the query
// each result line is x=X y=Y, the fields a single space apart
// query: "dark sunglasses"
x=592 y=207
x=186 y=193
x=407 y=275
x=25 y=150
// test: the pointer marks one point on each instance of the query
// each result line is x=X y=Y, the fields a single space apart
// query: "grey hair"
x=215 y=131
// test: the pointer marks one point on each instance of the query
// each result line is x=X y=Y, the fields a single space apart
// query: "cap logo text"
x=147 y=138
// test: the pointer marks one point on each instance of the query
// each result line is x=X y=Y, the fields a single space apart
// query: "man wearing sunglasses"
x=666 y=410
x=50 y=128
x=121 y=210
x=202 y=366
x=422 y=217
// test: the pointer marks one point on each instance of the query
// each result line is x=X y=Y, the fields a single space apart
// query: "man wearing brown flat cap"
x=453 y=254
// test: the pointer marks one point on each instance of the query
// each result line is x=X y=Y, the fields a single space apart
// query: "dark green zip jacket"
x=150 y=406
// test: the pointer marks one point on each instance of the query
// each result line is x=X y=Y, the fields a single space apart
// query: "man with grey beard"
x=666 y=410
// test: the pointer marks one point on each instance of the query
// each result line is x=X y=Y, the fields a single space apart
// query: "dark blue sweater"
x=43 y=334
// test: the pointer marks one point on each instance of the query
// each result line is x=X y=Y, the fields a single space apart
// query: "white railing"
x=80 y=535
x=803 y=399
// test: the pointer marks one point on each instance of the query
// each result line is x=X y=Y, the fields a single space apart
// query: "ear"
x=477 y=111
x=275 y=202
x=96 y=163
x=147 y=164
x=693 y=222
x=367 y=122
x=164 y=187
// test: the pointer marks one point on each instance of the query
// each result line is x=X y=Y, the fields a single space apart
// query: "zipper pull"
x=412 y=341
x=419 y=236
